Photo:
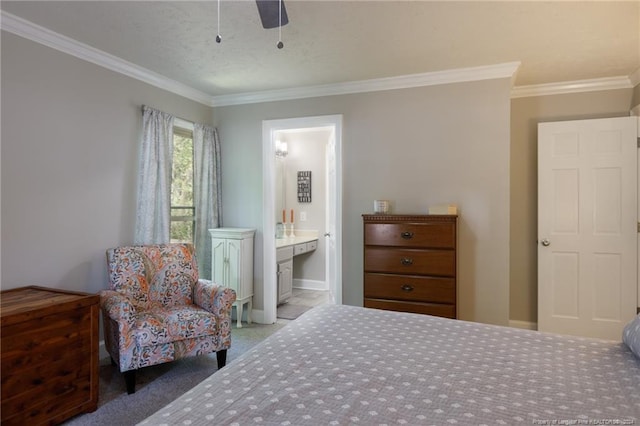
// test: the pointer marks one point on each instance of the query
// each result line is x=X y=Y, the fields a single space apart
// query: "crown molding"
x=459 y=75
x=29 y=30
x=44 y=36
x=578 y=86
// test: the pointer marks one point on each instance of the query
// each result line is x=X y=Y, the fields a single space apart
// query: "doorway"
x=333 y=227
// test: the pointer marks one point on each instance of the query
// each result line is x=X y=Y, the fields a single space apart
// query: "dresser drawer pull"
x=407 y=288
x=407 y=235
x=406 y=261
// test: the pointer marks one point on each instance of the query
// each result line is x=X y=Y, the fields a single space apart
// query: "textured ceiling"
x=332 y=42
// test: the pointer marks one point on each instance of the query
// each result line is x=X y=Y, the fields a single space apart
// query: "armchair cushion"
x=164 y=325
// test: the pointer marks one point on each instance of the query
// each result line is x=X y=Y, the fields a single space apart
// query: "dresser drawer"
x=409 y=287
x=427 y=235
x=440 y=310
x=410 y=262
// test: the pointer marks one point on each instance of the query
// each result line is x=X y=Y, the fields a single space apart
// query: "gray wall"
x=69 y=158
x=415 y=147
x=526 y=113
x=68 y=170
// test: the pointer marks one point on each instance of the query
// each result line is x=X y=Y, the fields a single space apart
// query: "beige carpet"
x=158 y=385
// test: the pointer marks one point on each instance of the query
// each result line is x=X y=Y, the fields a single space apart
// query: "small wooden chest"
x=49 y=355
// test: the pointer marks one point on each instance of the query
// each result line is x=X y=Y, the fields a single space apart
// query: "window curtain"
x=206 y=192
x=153 y=214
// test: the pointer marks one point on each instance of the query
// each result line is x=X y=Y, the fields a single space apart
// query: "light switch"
x=303 y=216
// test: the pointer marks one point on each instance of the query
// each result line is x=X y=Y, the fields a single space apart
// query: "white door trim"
x=269 y=127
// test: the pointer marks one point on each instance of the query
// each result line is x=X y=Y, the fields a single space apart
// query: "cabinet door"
x=218 y=262
x=234 y=255
x=285 y=280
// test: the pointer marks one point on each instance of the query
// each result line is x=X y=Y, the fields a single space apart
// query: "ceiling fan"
x=272 y=13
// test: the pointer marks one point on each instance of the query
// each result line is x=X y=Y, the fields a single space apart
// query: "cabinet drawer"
x=299 y=249
x=410 y=288
x=440 y=310
x=284 y=253
x=428 y=235
x=410 y=262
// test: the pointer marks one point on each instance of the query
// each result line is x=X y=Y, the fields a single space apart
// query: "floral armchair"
x=157 y=310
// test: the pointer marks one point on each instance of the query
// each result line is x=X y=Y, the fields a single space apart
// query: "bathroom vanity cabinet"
x=286 y=249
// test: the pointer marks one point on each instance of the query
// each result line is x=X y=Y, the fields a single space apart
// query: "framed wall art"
x=304 y=187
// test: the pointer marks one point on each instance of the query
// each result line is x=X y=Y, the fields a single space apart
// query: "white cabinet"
x=232 y=265
x=284 y=258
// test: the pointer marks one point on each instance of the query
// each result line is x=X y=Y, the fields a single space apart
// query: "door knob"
x=545 y=242
x=327 y=234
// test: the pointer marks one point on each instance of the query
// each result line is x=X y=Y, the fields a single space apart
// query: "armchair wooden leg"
x=130 y=381
x=222 y=358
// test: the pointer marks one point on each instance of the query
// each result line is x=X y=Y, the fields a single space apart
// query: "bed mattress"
x=339 y=365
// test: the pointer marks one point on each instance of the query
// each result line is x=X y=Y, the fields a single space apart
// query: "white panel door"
x=587 y=215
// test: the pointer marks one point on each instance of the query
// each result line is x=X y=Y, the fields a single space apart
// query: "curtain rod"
x=175 y=117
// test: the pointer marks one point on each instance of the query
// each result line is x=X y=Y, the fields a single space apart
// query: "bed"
x=339 y=365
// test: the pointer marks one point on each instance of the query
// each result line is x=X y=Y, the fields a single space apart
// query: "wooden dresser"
x=49 y=355
x=410 y=263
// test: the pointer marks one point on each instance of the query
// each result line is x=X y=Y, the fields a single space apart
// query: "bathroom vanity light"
x=281 y=149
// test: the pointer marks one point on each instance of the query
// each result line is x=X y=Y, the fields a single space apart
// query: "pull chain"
x=218 y=37
x=280 y=43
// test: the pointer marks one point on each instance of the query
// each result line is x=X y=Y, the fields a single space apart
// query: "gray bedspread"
x=346 y=365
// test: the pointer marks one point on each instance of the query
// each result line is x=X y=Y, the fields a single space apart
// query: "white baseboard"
x=523 y=324
x=310 y=284
x=257 y=316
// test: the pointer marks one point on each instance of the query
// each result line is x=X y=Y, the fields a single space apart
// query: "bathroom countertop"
x=302 y=236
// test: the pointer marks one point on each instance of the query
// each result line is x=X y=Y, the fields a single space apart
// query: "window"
x=182 y=204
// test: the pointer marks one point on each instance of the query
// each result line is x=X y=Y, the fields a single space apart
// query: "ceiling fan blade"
x=269 y=13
